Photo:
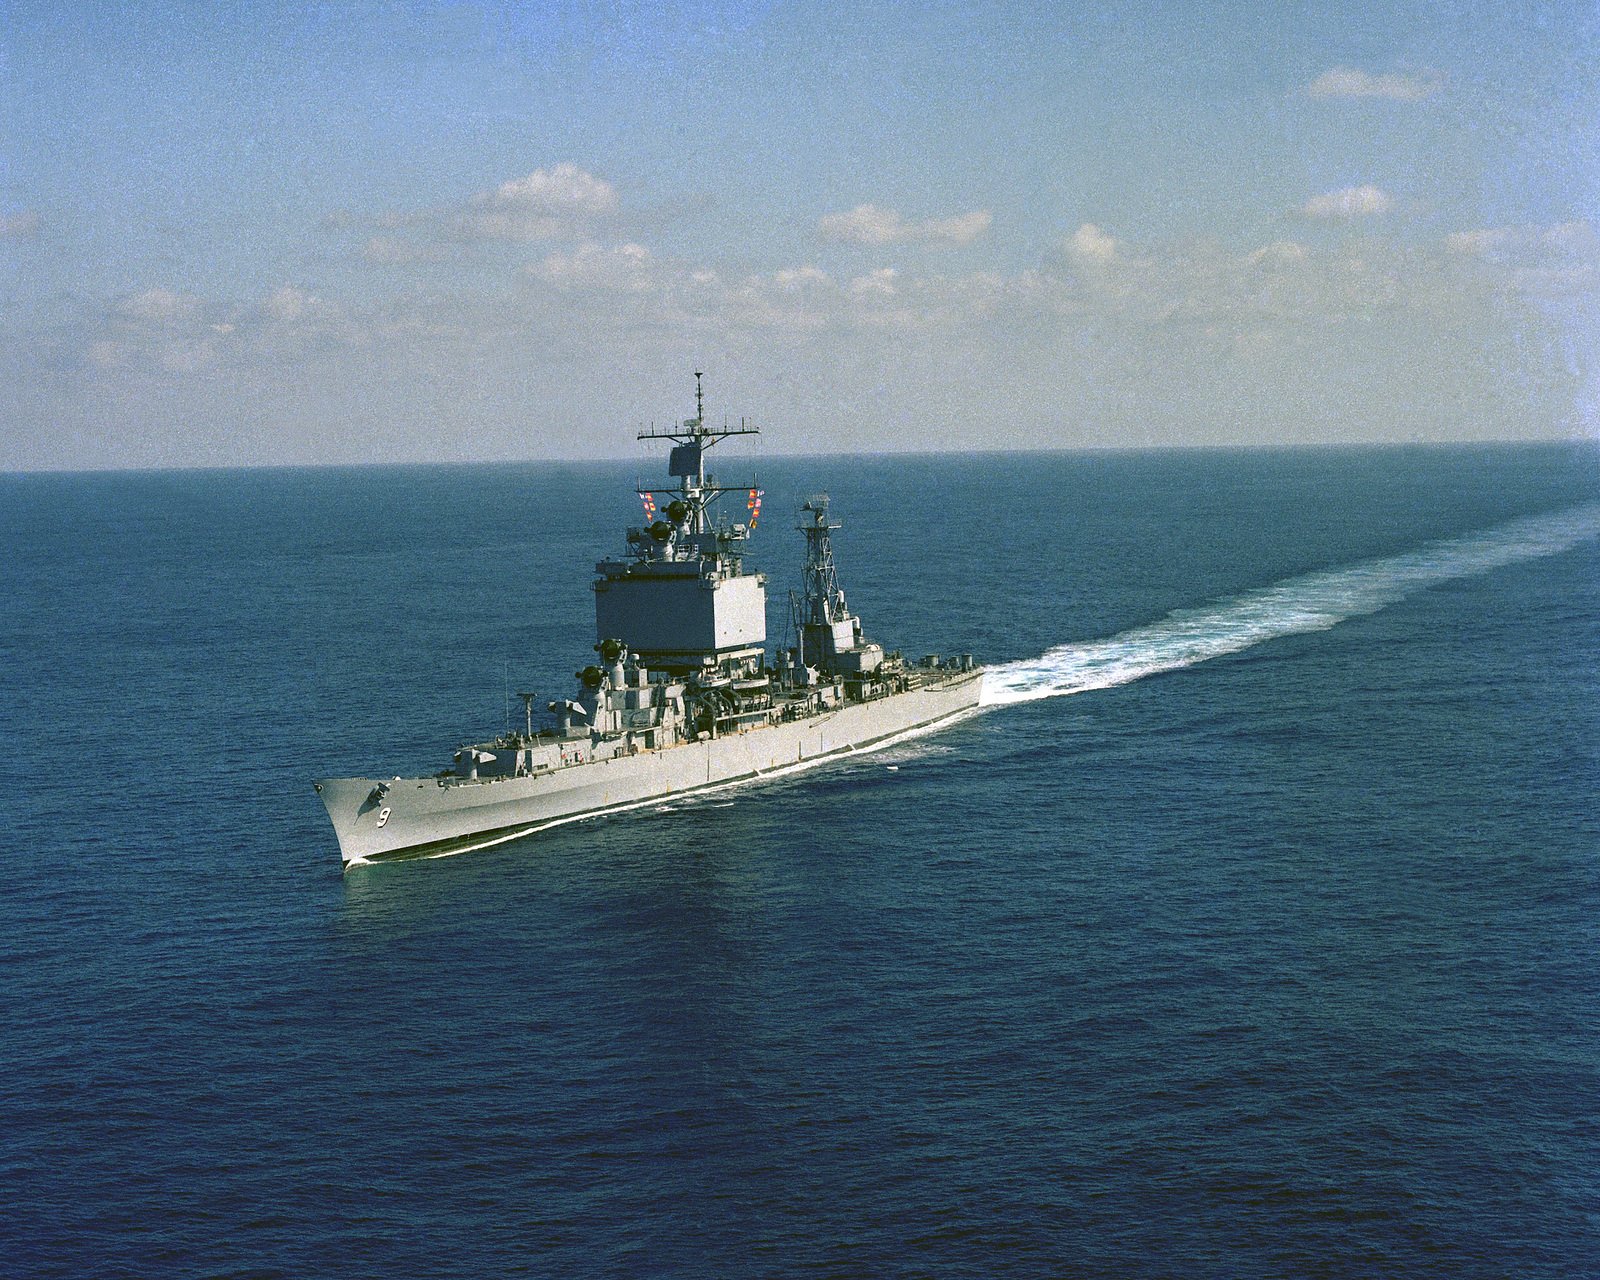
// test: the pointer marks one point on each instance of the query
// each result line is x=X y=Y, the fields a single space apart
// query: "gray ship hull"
x=434 y=817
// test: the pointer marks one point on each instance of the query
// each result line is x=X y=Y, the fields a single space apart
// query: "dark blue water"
x=1268 y=951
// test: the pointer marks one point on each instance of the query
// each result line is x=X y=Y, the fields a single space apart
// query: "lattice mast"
x=822 y=600
x=827 y=635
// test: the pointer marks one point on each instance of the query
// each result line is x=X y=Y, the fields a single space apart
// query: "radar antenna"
x=823 y=597
x=687 y=462
x=823 y=625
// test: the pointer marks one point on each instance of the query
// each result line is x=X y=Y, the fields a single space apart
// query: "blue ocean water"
x=1250 y=932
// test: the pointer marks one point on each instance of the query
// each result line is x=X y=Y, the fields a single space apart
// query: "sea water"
x=1249 y=930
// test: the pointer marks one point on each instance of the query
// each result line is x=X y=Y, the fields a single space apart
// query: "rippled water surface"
x=1249 y=931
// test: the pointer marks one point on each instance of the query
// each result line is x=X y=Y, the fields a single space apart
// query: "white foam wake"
x=1313 y=602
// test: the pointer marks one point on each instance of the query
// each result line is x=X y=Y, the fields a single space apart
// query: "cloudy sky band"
x=1173 y=267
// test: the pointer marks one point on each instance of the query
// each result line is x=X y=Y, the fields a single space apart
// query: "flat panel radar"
x=681 y=598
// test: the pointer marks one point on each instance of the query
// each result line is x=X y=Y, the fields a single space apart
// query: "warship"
x=685 y=697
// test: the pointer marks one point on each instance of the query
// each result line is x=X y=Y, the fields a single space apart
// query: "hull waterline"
x=378 y=820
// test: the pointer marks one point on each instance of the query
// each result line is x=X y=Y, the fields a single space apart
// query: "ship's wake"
x=1312 y=602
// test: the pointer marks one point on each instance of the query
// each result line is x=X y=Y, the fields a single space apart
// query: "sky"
x=260 y=234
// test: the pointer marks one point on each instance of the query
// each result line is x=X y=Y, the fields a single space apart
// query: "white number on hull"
x=383 y=815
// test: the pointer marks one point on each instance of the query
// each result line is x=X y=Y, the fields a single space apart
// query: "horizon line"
x=1306 y=446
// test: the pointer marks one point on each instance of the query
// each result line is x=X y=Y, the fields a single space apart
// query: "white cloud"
x=610 y=291
x=1141 y=337
x=1089 y=241
x=625 y=289
x=157 y=329
x=161 y=307
x=865 y=224
x=963 y=229
x=1561 y=260
x=542 y=206
x=289 y=304
x=1577 y=238
x=879 y=283
x=563 y=201
x=1282 y=283
x=871 y=224
x=163 y=330
x=1572 y=237
x=1279 y=251
x=627 y=267
x=19 y=226
x=1349 y=203
x=800 y=277
x=1348 y=82
x=564 y=189
x=1480 y=243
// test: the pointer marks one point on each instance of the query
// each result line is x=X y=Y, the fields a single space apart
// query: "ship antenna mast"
x=687 y=462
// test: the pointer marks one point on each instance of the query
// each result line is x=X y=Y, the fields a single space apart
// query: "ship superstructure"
x=681 y=600
x=683 y=697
